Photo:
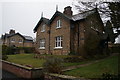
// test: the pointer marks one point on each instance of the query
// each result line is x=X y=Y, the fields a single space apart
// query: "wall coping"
x=21 y=66
x=62 y=76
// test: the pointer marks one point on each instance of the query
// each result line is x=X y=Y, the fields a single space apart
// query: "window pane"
x=58 y=24
x=58 y=41
x=43 y=28
x=42 y=43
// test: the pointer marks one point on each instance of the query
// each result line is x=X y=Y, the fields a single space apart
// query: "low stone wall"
x=50 y=76
x=22 y=71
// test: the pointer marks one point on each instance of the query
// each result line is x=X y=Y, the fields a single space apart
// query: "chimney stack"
x=12 y=31
x=67 y=11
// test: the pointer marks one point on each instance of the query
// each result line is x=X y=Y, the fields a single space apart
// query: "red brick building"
x=65 y=33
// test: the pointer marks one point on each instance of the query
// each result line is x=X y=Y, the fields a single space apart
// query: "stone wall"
x=64 y=32
x=21 y=71
x=51 y=76
x=42 y=35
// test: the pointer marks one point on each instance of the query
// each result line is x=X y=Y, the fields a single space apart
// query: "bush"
x=53 y=65
x=4 y=49
x=72 y=53
x=4 y=57
x=27 y=49
x=8 y=50
x=107 y=76
x=73 y=59
x=15 y=50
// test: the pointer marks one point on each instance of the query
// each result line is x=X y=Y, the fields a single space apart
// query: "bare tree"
x=108 y=11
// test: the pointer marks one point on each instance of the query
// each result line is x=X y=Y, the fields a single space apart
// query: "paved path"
x=86 y=64
x=78 y=66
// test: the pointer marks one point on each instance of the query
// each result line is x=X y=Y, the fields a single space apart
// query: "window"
x=43 y=28
x=20 y=41
x=58 y=24
x=12 y=40
x=58 y=42
x=42 y=43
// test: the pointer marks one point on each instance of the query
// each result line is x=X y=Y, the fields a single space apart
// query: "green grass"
x=26 y=59
x=107 y=65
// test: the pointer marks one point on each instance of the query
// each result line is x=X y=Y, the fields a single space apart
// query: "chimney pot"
x=67 y=11
x=12 y=31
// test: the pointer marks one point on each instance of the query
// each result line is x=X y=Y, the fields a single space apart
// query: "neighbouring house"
x=16 y=39
x=67 y=33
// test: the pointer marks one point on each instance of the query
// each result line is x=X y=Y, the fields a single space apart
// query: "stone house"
x=16 y=39
x=67 y=33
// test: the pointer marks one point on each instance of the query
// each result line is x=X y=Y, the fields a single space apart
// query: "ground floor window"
x=12 y=40
x=42 y=43
x=58 y=42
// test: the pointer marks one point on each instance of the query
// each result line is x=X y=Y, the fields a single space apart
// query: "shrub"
x=8 y=50
x=73 y=59
x=4 y=57
x=72 y=53
x=15 y=50
x=4 y=49
x=53 y=65
x=107 y=76
x=27 y=49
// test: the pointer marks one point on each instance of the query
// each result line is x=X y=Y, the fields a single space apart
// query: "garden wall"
x=50 y=76
x=30 y=73
x=21 y=71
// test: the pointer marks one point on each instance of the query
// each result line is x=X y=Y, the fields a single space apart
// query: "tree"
x=115 y=15
x=107 y=10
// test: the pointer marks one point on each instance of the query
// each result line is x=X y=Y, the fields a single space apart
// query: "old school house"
x=65 y=33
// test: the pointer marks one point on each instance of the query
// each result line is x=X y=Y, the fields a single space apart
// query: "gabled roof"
x=76 y=17
x=45 y=20
x=83 y=15
x=57 y=13
x=24 y=37
x=28 y=37
x=10 y=35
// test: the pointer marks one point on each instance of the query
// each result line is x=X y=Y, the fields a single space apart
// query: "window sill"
x=42 y=48
x=58 y=47
x=58 y=27
x=13 y=41
x=42 y=31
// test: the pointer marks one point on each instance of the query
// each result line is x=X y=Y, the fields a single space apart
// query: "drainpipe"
x=49 y=40
x=9 y=41
x=78 y=39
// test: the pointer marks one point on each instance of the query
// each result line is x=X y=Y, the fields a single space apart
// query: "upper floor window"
x=58 y=42
x=58 y=24
x=43 y=28
x=42 y=43
x=20 y=41
x=12 y=40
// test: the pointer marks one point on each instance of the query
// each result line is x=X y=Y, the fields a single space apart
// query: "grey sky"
x=24 y=15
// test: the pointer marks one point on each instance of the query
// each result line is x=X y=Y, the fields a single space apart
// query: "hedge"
x=16 y=50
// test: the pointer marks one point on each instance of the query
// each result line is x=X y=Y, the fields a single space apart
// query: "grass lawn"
x=26 y=59
x=109 y=65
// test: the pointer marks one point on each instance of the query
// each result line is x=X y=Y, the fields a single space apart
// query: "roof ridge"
x=45 y=18
x=85 y=11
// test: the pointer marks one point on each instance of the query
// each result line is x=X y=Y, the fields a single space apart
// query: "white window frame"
x=12 y=40
x=42 y=43
x=43 y=28
x=58 y=24
x=58 y=42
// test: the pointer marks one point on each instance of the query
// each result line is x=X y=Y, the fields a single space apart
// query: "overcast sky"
x=24 y=15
